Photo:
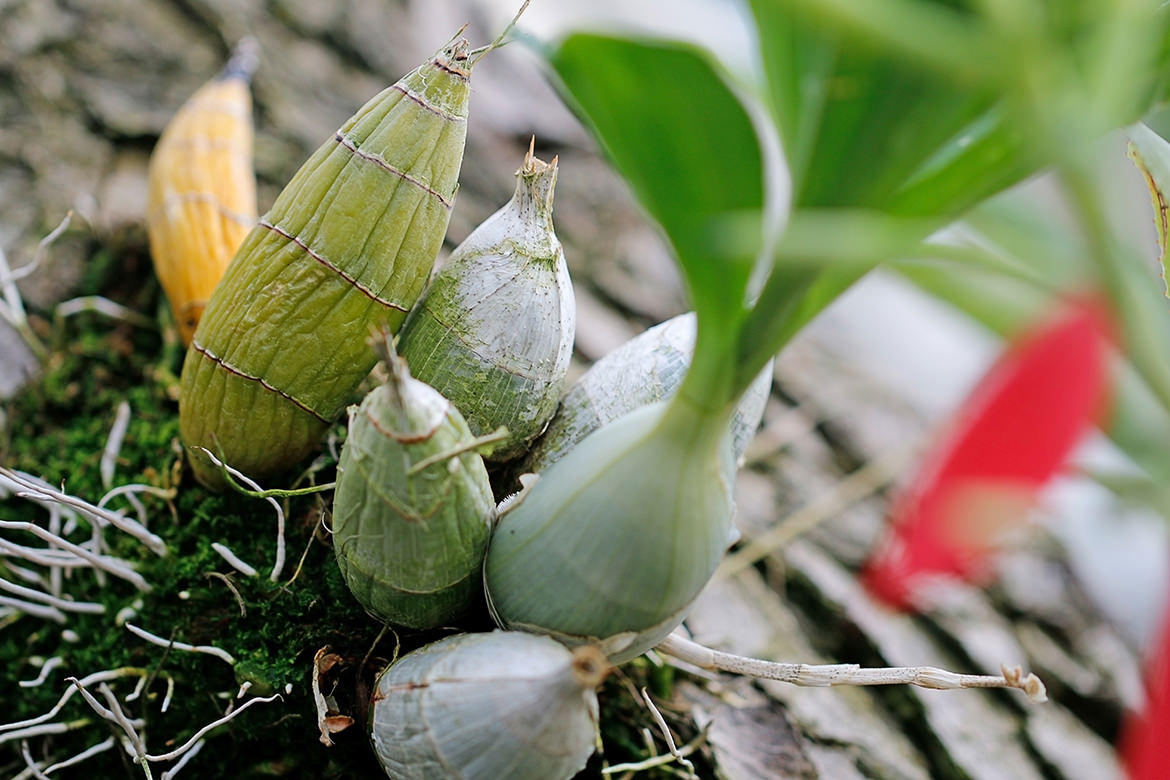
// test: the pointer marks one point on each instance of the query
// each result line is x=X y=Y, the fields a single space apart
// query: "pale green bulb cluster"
x=633 y=506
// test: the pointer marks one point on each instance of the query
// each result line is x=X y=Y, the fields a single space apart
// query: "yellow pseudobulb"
x=202 y=197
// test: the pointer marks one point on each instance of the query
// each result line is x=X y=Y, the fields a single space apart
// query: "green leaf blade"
x=684 y=142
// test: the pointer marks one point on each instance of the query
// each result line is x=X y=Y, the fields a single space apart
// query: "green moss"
x=57 y=429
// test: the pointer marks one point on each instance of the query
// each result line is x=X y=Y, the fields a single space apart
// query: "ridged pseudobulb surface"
x=346 y=248
x=494 y=330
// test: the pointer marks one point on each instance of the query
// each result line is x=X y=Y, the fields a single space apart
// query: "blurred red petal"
x=1011 y=436
x=1145 y=735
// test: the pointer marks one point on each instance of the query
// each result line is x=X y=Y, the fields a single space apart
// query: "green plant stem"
x=273 y=492
x=697 y=426
x=476 y=443
x=785 y=304
x=709 y=384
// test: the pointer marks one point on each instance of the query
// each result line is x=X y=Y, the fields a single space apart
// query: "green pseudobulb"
x=494 y=330
x=410 y=536
x=614 y=541
x=486 y=707
x=347 y=247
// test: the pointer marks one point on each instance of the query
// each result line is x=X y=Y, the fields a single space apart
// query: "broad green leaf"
x=687 y=147
x=859 y=123
x=684 y=142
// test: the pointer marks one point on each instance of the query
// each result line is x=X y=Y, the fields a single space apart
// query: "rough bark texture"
x=88 y=86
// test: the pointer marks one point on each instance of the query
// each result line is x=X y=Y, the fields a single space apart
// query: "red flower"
x=1012 y=435
x=1145 y=734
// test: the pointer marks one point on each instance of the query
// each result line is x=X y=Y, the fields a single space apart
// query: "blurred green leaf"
x=859 y=121
x=875 y=114
x=866 y=125
x=1057 y=263
x=873 y=118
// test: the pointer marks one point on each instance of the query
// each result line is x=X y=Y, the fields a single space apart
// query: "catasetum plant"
x=615 y=540
x=894 y=117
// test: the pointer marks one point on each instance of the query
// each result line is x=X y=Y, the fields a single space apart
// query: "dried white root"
x=40 y=560
x=64 y=605
x=8 y=277
x=11 y=304
x=44 y=726
x=114 y=441
x=43 y=571
x=675 y=753
x=36 y=610
x=83 y=756
x=32 y=765
x=201 y=733
x=113 y=712
x=16 y=729
x=847 y=674
x=184 y=759
x=100 y=305
x=49 y=665
x=656 y=761
x=80 y=555
x=35 y=490
x=278 y=565
x=138 y=689
x=234 y=560
x=44 y=729
x=131 y=492
x=154 y=639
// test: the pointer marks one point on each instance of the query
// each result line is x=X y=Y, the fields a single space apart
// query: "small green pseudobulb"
x=488 y=707
x=413 y=506
x=493 y=331
x=346 y=247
